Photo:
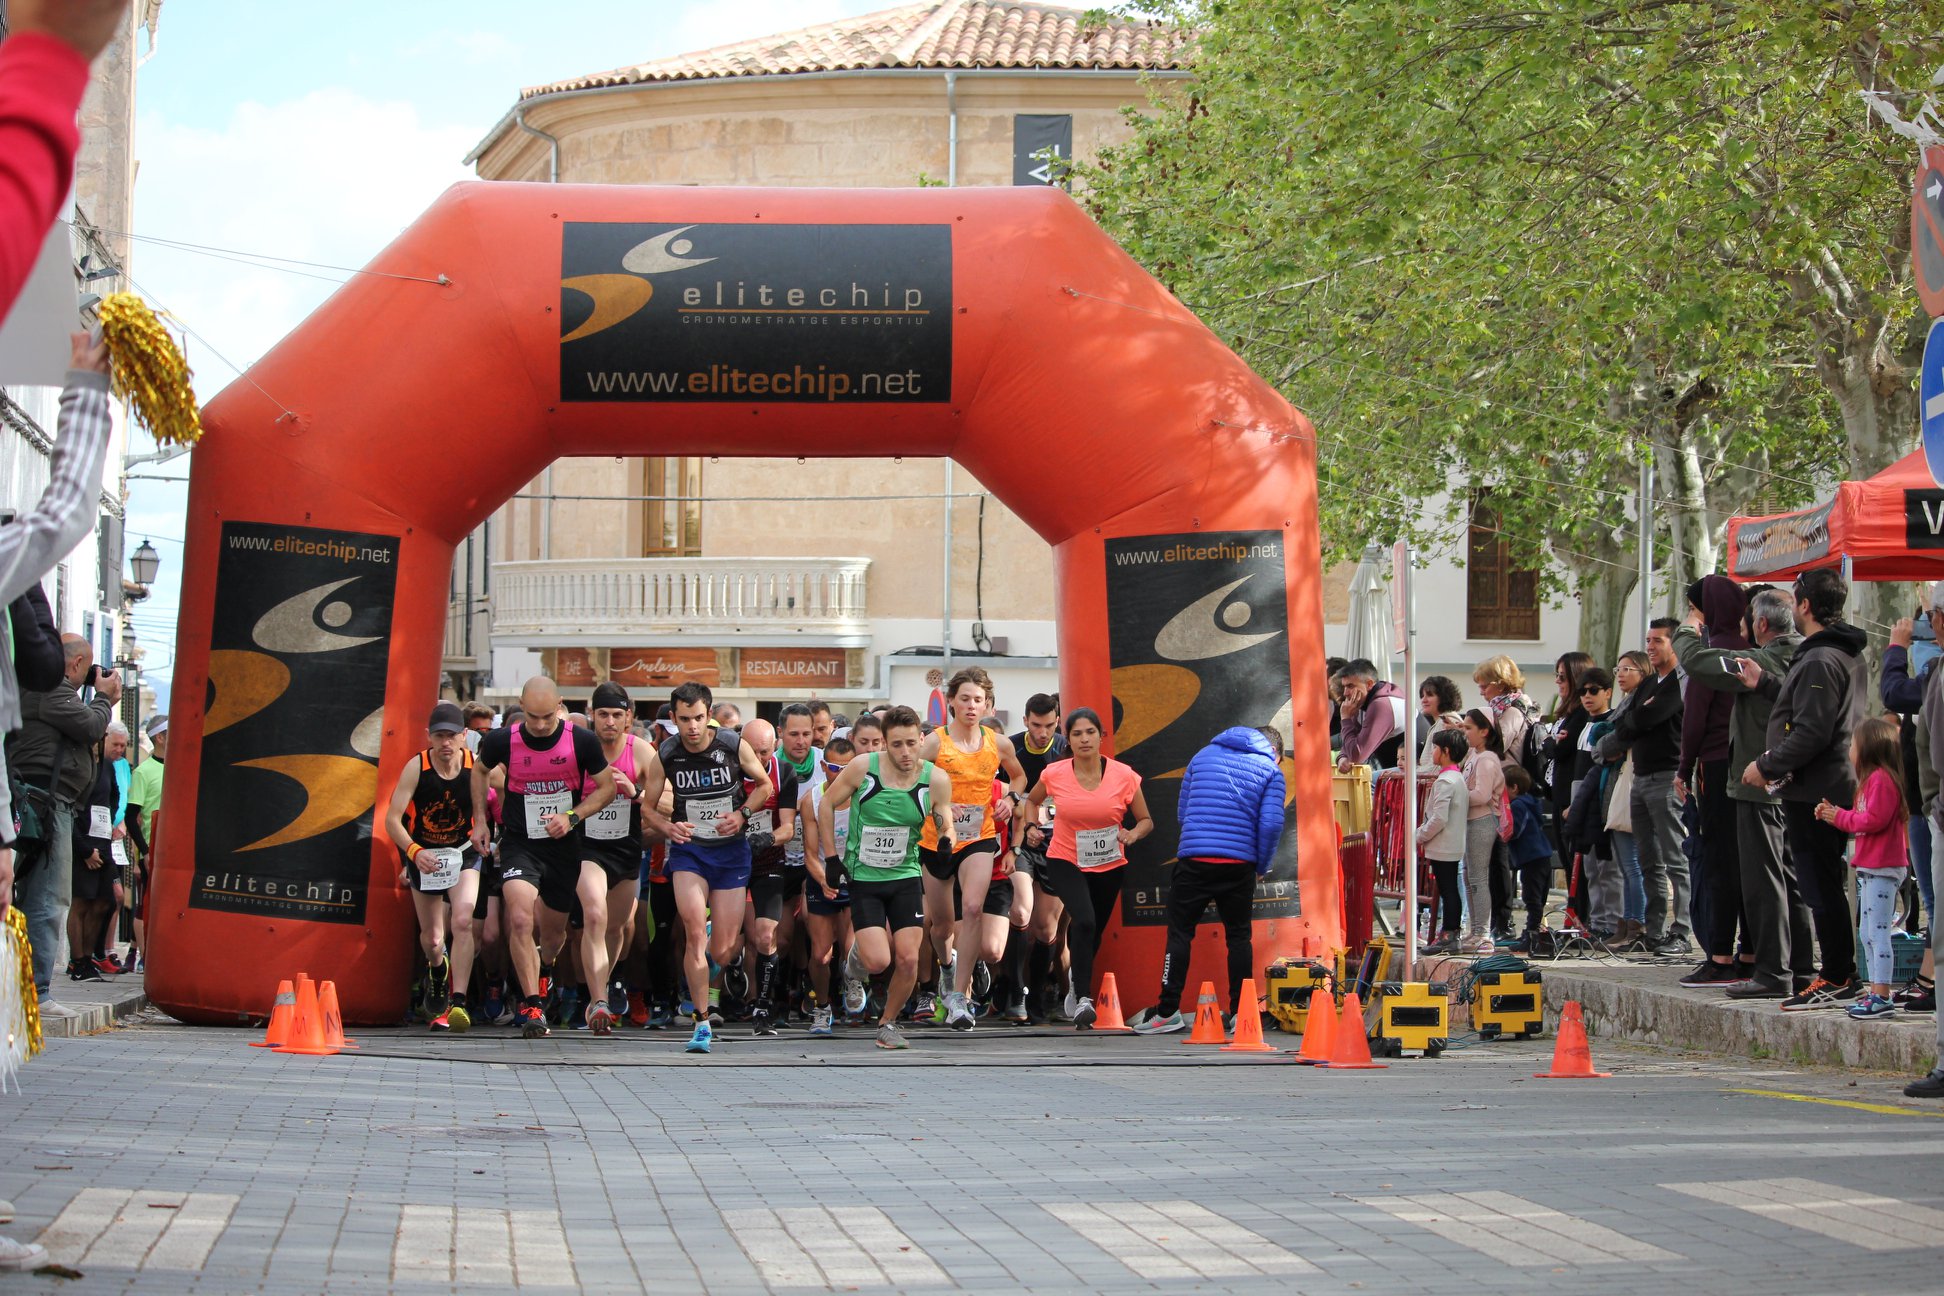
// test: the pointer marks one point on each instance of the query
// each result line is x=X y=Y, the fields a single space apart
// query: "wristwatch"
x=573 y=816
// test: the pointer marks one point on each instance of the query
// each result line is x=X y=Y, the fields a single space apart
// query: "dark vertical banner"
x=1042 y=148
x=1198 y=639
x=299 y=646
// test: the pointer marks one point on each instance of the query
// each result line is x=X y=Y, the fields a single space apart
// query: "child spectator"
x=1531 y=849
x=1882 y=858
x=1442 y=834
x=1485 y=787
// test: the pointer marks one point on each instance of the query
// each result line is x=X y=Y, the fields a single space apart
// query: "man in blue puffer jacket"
x=1231 y=812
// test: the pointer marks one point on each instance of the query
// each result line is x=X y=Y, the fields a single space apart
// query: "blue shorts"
x=724 y=868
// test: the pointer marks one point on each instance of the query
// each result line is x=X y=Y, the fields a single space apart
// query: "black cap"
x=610 y=696
x=447 y=718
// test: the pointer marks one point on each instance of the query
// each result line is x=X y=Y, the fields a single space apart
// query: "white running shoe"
x=820 y=1021
x=21 y=1257
x=958 y=1014
x=855 y=995
x=1083 y=1014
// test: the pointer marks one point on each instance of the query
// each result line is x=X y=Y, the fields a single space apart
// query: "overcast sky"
x=317 y=133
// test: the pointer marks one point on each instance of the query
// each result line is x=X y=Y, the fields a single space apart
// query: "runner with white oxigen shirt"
x=971 y=756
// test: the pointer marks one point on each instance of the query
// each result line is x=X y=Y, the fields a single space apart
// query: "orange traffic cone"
x=327 y=1004
x=1248 y=1024
x=1208 y=1018
x=280 y=1011
x=1351 y=1049
x=1107 y=1011
x=306 y=1025
x=1319 y=1029
x=1572 y=1056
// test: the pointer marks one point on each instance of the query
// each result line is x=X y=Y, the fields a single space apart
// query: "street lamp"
x=143 y=564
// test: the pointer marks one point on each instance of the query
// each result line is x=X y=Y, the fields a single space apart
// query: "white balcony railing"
x=770 y=596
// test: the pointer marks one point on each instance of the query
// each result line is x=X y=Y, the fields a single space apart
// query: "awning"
x=1890 y=527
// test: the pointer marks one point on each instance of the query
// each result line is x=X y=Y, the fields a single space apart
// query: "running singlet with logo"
x=707 y=784
x=971 y=774
x=882 y=842
x=442 y=807
x=1035 y=763
x=783 y=785
x=544 y=776
x=620 y=819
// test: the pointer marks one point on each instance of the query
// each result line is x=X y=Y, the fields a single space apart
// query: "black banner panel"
x=1042 y=148
x=756 y=313
x=298 y=651
x=1198 y=639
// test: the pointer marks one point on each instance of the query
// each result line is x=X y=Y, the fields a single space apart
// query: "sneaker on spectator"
x=1672 y=947
x=21 y=1257
x=1819 y=995
x=1871 y=1005
x=1147 y=1022
x=1915 y=996
x=56 y=1011
x=1931 y=1086
x=1711 y=973
x=108 y=968
x=84 y=970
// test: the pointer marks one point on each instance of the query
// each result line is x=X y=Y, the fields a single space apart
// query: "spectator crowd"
x=1737 y=793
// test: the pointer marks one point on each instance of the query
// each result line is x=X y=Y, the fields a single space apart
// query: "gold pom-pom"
x=150 y=371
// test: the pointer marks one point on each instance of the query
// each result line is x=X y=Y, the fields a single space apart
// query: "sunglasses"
x=1591 y=689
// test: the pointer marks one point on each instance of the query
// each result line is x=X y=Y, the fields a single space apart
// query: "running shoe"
x=108 y=967
x=637 y=1009
x=981 y=980
x=927 y=1004
x=890 y=1037
x=438 y=983
x=1083 y=1014
x=600 y=1018
x=618 y=1000
x=855 y=992
x=1016 y=1009
x=1818 y=995
x=492 y=1009
x=703 y=1038
x=1869 y=1005
x=660 y=1017
x=958 y=1015
x=735 y=983
x=820 y=1022
x=1146 y=1023
x=21 y=1257
x=84 y=970
x=440 y=1023
x=533 y=1023
x=1916 y=996
x=762 y=1022
x=459 y=1019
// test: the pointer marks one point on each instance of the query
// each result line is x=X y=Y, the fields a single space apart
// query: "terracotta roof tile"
x=935 y=34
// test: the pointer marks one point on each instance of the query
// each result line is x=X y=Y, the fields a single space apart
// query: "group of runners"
x=590 y=869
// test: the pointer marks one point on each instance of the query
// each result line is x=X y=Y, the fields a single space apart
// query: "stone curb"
x=101 y=1005
x=1618 y=1006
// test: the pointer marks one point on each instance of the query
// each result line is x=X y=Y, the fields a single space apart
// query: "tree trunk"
x=1603 y=589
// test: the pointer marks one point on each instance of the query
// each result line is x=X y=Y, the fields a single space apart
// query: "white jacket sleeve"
x=36 y=541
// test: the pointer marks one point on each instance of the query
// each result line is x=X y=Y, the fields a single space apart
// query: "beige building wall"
x=843 y=131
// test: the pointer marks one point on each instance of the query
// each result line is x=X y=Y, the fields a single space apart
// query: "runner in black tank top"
x=439 y=863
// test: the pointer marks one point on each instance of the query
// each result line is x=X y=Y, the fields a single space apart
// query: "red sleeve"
x=41 y=84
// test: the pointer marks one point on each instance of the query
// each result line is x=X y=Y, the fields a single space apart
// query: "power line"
x=253 y=258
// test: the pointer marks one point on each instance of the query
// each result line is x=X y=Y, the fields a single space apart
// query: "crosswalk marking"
x=477 y=1247
x=845 y=1246
x=1175 y=1239
x=1874 y=1223
x=1516 y=1231
x=113 y=1228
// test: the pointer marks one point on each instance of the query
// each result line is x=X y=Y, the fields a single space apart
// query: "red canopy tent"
x=1890 y=528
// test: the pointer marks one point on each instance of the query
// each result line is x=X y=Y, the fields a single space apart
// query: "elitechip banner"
x=1196 y=628
x=747 y=313
x=299 y=647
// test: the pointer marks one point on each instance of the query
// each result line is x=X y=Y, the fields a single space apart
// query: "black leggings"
x=664 y=958
x=1089 y=899
x=1451 y=897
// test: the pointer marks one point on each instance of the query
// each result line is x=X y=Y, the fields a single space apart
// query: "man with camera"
x=53 y=765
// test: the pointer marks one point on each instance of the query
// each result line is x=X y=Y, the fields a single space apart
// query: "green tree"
x=1521 y=245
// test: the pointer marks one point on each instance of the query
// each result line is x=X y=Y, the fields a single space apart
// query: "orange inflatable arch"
x=516 y=323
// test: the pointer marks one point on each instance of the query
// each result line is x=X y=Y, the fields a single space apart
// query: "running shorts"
x=773 y=893
x=898 y=904
x=468 y=861
x=999 y=898
x=724 y=868
x=947 y=869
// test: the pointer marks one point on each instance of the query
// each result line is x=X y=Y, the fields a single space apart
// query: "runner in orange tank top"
x=972 y=756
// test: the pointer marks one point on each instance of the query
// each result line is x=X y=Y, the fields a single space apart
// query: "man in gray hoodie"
x=1818 y=705
x=1778 y=927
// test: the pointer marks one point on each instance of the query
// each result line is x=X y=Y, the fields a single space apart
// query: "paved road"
x=161 y=1158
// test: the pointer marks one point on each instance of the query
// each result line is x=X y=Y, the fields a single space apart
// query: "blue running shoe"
x=703 y=1038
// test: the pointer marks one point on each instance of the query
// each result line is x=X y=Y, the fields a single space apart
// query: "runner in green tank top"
x=890 y=795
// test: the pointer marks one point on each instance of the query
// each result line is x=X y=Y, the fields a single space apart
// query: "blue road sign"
x=1930 y=401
